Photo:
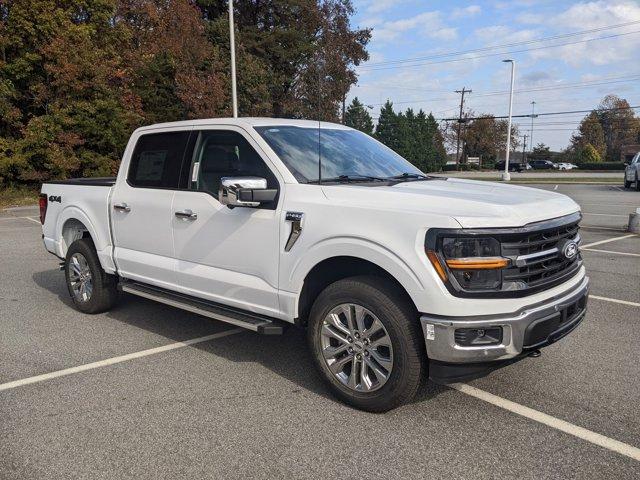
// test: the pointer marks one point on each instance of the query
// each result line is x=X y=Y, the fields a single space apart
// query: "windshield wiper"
x=349 y=178
x=405 y=177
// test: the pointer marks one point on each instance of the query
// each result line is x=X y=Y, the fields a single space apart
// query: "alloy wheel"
x=80 y=278
x=356 y=347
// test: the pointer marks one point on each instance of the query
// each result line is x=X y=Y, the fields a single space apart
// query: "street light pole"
x=232 y=47
x=533 y=112
x=505 y=176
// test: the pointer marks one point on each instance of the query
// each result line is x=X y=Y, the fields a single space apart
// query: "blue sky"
x=574 y=76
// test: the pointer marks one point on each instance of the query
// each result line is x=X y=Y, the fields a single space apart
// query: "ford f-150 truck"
x=396 y=275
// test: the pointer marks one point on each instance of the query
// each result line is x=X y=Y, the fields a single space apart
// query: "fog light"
x=470 y=337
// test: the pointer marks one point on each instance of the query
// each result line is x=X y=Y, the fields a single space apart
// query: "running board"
x=250 y=321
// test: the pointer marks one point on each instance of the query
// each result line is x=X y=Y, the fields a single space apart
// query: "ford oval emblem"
x=570 y=249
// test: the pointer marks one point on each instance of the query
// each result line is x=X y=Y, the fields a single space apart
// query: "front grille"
x=537 y=260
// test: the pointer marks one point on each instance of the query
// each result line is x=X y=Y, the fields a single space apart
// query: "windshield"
x=343 y=152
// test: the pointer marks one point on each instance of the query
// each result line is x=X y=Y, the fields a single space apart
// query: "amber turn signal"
x=477 y=263
x=435 y=261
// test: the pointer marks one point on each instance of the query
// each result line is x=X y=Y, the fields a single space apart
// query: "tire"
x=627 y=183
x=82 y=267
x=401 y=331
x=637 y=183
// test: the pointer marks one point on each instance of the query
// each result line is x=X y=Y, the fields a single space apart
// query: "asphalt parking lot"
x=239 y=405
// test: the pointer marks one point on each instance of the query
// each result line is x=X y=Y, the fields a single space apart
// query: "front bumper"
x=524 y=331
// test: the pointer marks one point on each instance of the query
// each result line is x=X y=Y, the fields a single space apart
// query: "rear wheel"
x=627 y=183
x=367 y=343
x=91 y=289
x=637 y=183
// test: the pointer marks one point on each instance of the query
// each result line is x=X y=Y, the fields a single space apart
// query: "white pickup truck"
x=397 y=276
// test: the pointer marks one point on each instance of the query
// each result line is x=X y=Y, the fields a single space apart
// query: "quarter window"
x=157 y=159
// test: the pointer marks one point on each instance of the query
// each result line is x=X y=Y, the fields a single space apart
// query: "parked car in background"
x=395 y=274
x=632 y=172
x=542 y=164
x=566 y=166
x=513 y=166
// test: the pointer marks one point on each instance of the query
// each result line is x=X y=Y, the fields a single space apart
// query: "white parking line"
x=609 y=251
x=114 y=360
x=553 y=422
x=614 y=300
x=607 y=241
x=37 y=220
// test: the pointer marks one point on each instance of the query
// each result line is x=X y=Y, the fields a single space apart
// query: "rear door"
x=228 y=255
x=141 y=214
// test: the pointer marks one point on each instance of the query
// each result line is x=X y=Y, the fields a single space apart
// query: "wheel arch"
x=332 y=269
x=73 y=224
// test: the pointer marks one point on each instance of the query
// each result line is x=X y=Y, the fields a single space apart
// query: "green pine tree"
x=387 y=130
x=357 y=116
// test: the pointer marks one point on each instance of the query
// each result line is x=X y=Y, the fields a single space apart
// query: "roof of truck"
x=245 y=122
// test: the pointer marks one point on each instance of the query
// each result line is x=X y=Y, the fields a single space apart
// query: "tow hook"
x=535 y=354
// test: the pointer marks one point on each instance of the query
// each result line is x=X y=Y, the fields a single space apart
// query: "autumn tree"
x=589 y=154
x=303 y=51
x=590 y=132
x=619 y=124
x=484 y=136
x=356 y=116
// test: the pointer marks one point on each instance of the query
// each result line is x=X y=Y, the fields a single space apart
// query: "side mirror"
x=245 y=192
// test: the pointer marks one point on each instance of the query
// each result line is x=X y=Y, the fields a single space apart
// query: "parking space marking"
x=553 y=422
x=32 y=219
x=607 y=241
x=609 y=251
x=114 y=360
x=614 y=300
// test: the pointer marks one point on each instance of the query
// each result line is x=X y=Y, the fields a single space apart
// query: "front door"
x=141 y=208
x=227 y=255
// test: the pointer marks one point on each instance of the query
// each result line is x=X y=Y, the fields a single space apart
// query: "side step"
x=250 y=321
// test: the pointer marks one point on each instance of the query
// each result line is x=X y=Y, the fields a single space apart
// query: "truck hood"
x=473 y=204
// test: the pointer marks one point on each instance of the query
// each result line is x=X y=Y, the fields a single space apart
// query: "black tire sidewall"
x=104 y=291
x=397 y=317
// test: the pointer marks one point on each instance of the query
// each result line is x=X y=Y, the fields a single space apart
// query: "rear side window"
x=157 y=159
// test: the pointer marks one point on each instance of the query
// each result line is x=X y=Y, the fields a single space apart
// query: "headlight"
x=470 y=263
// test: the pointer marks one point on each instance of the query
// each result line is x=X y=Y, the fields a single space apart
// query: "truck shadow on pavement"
x=286 y=355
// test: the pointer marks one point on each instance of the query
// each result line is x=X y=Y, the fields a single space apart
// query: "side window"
x=220 y=153
x=157 y=159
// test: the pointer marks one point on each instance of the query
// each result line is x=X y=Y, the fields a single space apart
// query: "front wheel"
x=367 y=343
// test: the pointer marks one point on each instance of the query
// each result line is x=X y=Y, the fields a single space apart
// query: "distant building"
x=628 y=151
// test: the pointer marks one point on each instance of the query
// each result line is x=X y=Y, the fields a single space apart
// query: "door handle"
x=122 y=207
x=186 y=214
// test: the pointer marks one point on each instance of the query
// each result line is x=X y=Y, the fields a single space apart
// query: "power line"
x=544 y=114
x=513 y=44
x=542 y=88
x=365 y=68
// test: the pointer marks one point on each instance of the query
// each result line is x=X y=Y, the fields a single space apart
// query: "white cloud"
x=500 y=34
x=589 y=15
x=530 y=18
x=429 y=24
x=379 y=6
x=468 y=11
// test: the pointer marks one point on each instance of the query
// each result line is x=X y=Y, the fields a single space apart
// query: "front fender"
x=361 y=248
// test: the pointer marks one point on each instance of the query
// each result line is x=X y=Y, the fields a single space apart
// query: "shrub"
x=601 y=166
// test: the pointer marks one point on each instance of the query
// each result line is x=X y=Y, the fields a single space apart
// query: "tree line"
x=77 y=76
x=415 y=136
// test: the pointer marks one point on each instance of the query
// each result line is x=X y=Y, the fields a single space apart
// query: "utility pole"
x=462 y=92
x=524 y=149
x=232 y=47
x=533 y=111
